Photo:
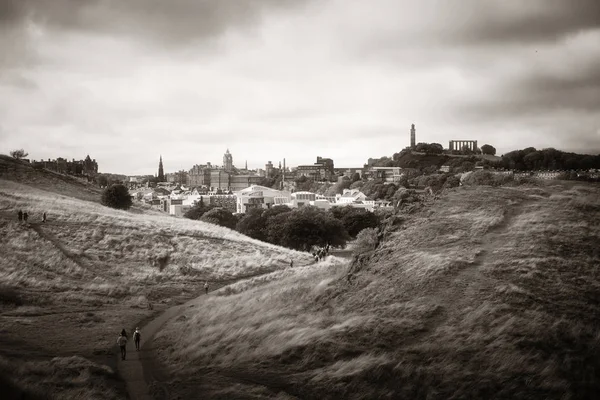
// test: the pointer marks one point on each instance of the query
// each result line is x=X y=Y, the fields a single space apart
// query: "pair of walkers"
x=122 y=341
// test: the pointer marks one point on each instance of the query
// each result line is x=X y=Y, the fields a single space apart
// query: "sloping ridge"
x=23 y=172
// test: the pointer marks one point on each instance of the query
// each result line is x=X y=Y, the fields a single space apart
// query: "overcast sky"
x=128 y=80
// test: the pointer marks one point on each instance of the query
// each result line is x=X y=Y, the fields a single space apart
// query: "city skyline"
x=293 y=79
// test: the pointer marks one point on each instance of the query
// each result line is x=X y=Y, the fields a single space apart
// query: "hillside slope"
x=22 y=172
x=487 y=293
x=68 y=286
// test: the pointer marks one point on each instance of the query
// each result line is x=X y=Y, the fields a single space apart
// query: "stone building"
x=199 y=175
x=228 y=161
x=86 y=167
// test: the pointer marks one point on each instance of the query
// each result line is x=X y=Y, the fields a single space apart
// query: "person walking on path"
x=20 y=214
x=44 y=217
x=206 y=287
x=122 y=342
x=137 y=336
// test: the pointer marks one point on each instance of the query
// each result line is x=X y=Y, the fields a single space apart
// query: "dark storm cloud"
x=527 y=21
x=534 y=94
x=173 y=21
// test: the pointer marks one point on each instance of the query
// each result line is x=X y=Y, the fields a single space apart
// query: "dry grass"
x=91 y=271
x=489 y=293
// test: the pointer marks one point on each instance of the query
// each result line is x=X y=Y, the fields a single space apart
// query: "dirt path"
x=469 y=282
x=139 y=370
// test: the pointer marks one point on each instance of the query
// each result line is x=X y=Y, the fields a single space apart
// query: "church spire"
x=161 y=172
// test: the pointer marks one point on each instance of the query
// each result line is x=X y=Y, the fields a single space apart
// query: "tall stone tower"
x=413 y=137
x=161 y=172
x=227 y=161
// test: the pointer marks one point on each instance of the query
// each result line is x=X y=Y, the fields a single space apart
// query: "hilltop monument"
x=413 y=137
x=161 y=172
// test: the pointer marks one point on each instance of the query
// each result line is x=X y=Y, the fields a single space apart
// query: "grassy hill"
x=23 y=172
x=488 y=293
x=68 y=286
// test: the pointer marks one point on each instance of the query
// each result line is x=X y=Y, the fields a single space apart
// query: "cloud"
x=128 y=80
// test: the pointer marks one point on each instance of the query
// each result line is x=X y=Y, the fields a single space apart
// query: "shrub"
x=220 y=216
x=117 y=196
x=366 y=240
x=306 y=227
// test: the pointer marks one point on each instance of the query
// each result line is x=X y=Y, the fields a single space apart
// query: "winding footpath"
x=139 y=370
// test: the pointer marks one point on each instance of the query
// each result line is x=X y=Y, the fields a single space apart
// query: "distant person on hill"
x=122 y=342
x=20 y=214
x=25 y=216
x=137 y=336
x=206 y=287
x=291 y=263
x=44 y=217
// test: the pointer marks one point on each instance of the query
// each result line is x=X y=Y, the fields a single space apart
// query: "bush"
x=366 y=240
x=306 y=227
x=355 y=219
x=198 y=211
x=488 y=178
x=220 y=216
x=117 y=196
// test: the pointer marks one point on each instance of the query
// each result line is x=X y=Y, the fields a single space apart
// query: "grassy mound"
x=488 y=293
x=23 y=172
x=69 y=285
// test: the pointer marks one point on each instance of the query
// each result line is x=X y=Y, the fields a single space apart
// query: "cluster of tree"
x=530 y=159
x=116 y=196
x=429 y=148
x=299 y=229
x=106 y=180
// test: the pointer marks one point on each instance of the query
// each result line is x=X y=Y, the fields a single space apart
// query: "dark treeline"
x=300 y=229
x=530 y=159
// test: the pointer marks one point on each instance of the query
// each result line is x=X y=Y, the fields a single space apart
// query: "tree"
x=306 y=227
x=488 y=149
x=355 y=177
x=220 y=216
x=366 y=240
x=198 y=210
x=358 y=220
x=117 y=196
x=253 y=224
x=18 y=154
x=102 y=180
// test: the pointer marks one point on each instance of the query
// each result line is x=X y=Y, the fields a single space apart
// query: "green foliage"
x=220 y=216
x=429 y=148
x=253 y=224
x=198 y=210
x=18 y=154
x=338 y=187
x=117 y=196
x=486 y=178
x=530 y=159
x=366 y=240
x=357 y=185
x=488 y=149
x=359 y=219
x=102 y=180
x=306 y=227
